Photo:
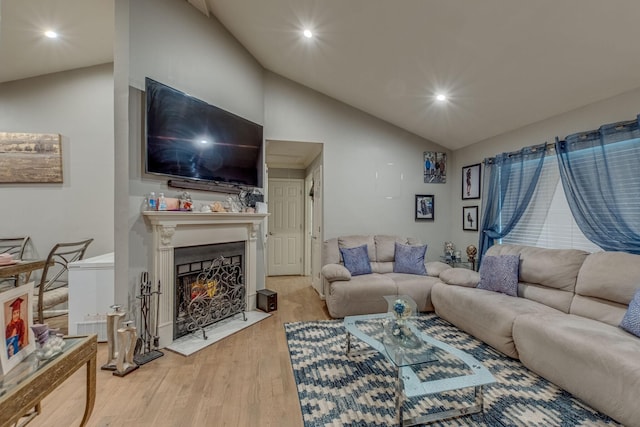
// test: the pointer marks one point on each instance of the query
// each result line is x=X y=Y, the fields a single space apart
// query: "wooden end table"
x=23 y=388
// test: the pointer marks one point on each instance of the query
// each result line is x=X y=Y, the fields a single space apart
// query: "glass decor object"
x=397 y=328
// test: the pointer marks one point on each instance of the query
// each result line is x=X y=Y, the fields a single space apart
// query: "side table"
x=459 y=264
x=23 y=388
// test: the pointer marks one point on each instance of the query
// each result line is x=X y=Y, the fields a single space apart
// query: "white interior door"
x=285 y=242
x=317 y=233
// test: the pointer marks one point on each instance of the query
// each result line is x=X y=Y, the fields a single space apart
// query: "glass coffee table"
x=424 y=366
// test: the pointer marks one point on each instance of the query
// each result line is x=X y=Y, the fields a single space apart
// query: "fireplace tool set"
x=147 y=344
x=126 y=350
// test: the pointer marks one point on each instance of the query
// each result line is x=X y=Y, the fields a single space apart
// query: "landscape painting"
x=30 y=157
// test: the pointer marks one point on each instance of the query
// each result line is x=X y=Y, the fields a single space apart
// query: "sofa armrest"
x=334 y=272
x=435 y=268
x=460 y=277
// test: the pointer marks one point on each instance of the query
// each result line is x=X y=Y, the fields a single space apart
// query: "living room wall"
x=363 y=194
x=619 y=108
x=77 y=104
x=173 y=43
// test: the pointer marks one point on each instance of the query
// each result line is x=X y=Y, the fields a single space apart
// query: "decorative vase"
x=48 y=342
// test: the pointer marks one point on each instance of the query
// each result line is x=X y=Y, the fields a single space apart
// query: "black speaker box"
x=267 y=300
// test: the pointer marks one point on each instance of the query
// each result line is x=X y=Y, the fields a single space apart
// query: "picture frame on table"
x=425 y=207
x=16 y=314
x=471 y=181
x=470 y=218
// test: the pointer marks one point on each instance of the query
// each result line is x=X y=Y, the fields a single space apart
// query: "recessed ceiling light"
x=308 y=34
x=51 y=34
x=441 y=97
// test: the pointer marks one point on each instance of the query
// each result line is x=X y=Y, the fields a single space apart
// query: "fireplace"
x=176 y=230
x=209 y=286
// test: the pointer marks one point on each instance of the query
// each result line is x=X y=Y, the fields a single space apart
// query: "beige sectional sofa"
x=564 y=323
x=348 y=295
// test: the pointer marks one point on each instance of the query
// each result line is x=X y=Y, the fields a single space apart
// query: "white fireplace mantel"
x=182 y=229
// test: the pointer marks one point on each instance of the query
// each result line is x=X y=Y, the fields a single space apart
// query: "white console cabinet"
x=91 y=294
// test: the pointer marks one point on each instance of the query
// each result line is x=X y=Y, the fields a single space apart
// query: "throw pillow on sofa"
x=631 y=320
x=410 y=259
x=500 y=274
x=356 y=260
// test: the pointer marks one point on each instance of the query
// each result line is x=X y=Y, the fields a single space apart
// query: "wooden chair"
x=15 y=246
x=53 y=288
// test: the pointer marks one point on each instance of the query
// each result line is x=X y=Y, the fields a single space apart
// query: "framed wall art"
x=30 y=157
x=471 y=182
x=470 y=218
x=435 y=167
x=17 y=312
x=425 y=207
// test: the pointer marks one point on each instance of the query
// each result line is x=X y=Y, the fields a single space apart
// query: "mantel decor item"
x=17 y=312
x=425 y=207
x=470 y=218
x=471 y=182
x=30 y=157
x=435 y=167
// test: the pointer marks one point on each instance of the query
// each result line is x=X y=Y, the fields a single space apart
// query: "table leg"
x=348 y=343
x=399 y=397
x=91 y=389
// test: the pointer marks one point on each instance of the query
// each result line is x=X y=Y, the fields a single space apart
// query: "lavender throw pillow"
x=631 y=320
x=500 y=274
x=410 y=259
x=356 y=260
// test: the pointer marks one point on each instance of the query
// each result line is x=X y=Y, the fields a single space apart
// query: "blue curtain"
x=600 y=173
x=510 y=180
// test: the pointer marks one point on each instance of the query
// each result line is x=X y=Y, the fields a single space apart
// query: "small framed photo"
x=435 y=167
x=425 y=207
x=471 y=182
x=16 y=316
x=470 y=218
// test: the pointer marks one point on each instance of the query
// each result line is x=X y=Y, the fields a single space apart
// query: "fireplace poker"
x=156 y=337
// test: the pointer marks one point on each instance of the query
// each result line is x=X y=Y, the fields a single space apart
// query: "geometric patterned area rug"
x=336 y=390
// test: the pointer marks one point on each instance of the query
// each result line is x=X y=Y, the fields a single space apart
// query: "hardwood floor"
x=243 y=380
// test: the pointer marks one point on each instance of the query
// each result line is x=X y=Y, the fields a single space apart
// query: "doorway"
x=294 y=200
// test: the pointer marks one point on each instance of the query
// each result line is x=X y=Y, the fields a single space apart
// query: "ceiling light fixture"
x=441 y=97
x=308 y=34
x=51 y=34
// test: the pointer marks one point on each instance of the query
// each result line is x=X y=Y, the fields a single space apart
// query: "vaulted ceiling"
x=503 y=64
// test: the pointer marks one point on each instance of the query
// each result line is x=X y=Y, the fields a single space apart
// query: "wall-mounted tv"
x=191 y=139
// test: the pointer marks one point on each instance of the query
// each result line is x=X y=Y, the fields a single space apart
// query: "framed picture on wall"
x=470 y=218
x=19 y=342
x=425 y=207
x=435 y=167
x=30 y=157
x=471 y=182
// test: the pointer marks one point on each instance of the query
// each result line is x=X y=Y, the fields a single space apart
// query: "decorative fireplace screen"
x=214 y=292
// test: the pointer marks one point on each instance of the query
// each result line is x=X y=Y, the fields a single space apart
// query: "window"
x=548 y=221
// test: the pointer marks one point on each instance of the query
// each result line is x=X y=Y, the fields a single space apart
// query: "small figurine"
x=449 y=248
x=217 y=207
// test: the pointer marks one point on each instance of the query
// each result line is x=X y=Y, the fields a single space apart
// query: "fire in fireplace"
x=209 y=286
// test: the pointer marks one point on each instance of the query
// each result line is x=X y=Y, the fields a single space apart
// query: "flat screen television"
x=191 y=139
